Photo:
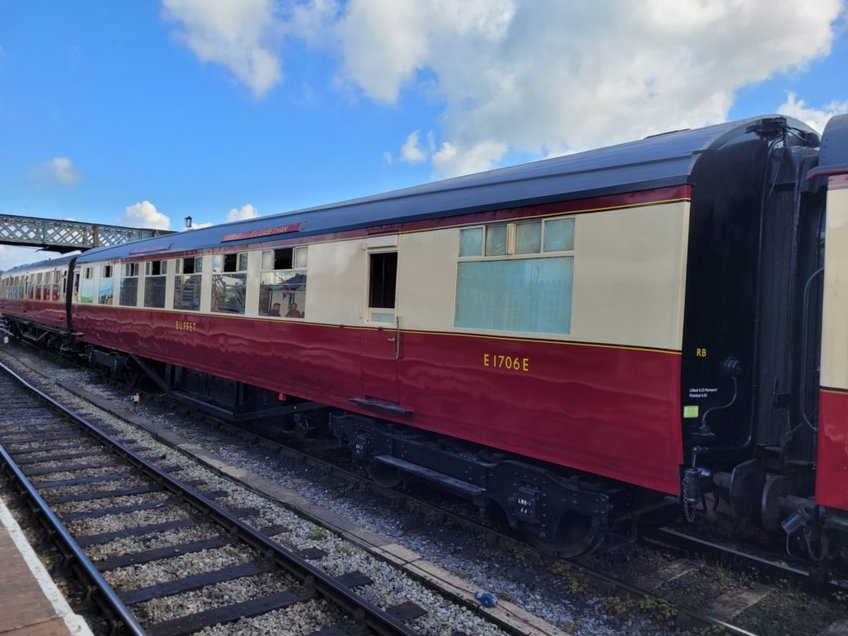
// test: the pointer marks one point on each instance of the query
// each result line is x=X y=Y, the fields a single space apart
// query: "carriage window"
x=471 y=241
x=104 y=295
x=128 y=286
x=527 y=287
x=528 y=238
x=559 y=235
x=282 y=288
x=187 y=283
x=230 y=262
x=229 y=281
x=55 y=290
x=35 y=291
x=86 y=294
x=496 y=240
x=382 y=286
x=154 y=283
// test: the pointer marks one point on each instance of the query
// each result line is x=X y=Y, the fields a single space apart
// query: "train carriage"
x=568 y=340
x=37 y=297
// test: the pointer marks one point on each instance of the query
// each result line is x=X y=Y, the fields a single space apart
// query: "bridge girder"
x=55 y=235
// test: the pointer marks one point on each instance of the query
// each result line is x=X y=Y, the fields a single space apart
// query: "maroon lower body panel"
x=48 y=313
x=832 y=469
x=613 y=411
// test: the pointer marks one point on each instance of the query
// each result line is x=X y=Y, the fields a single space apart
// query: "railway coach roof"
x=659 y=161
x=60 y=262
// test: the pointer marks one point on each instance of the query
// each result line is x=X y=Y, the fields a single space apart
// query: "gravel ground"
x=299 y=620
x=144 y=574
x=99 y=504
x=111 y=523
x=159 y=539
x=213 y=596
x=82 y=489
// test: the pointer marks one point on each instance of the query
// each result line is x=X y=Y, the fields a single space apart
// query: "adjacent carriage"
x=568 y=341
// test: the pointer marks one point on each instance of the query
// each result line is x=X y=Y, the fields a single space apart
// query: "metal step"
x=452 y=483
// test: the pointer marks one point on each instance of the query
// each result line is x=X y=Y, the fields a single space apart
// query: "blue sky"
x=141 y=112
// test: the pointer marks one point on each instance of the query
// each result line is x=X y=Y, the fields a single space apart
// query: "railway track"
x=190 y=565
x=624 y=592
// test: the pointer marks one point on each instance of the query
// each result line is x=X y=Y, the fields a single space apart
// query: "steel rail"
x=74 y=554
x=363 y=611
x=807 y=578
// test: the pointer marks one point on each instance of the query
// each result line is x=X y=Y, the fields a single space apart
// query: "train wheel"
x=384 y=475
x=575 y=535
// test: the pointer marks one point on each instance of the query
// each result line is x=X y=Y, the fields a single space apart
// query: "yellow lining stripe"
x=833 y=391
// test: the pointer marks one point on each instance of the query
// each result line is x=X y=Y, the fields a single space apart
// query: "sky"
x=142 y=112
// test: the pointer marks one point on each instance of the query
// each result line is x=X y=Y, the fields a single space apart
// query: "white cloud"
x=240 y=35
x=815 y=117
x=144 y=214
x=481 y=156
x=246 y=211
x=552 y=75
x=533 y=78
x=59 y=171
x=411 y=152
x=199 y=226
x=383 y=43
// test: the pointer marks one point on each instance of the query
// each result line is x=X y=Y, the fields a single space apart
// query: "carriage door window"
x=229 y=282
x=155 y=273
x=187 y=283
x=382 y=287
x=128 y=294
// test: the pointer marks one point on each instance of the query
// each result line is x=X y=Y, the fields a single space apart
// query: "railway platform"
x=30 y=602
